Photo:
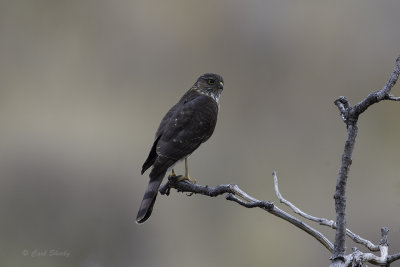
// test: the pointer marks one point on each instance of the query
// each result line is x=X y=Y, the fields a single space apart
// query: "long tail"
x=149 y=198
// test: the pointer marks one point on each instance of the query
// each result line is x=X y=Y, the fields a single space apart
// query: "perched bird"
x=183 y=129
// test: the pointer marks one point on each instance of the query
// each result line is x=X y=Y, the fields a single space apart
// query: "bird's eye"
x=211 y=82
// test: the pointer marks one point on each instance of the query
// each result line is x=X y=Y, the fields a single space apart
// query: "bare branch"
x=343 y=105
x=322 y=221
x=392 y=98
x=234 y=193
x=393 y=258
x=293 y=207
x=383 y=247
x=358 y=239
x=258 y=204
x=357 y=258
x=350 y=116
x=384 y=238
x=340 y=194
x=382 y=94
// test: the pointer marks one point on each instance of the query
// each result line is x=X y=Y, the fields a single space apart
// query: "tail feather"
x=149 y=198
x=152 y=156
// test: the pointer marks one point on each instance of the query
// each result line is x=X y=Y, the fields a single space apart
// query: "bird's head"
x=210 y=84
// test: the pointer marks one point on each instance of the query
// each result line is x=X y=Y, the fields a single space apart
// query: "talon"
x=173 y=174
x=187 y=178
x=168 y=191
x=182 y=178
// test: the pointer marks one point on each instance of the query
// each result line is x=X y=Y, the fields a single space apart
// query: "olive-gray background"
x=84 y=85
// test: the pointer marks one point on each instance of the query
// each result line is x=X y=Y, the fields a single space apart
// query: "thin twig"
x=392 y=98
x=234 y=193
x=343 y=105
x=382 y=94
x=321 y=221
x=393 y=258
x=357 y=258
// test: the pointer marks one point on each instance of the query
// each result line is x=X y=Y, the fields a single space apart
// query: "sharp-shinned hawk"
x=183 y=129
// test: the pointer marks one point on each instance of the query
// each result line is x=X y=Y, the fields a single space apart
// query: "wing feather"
x=190 y=124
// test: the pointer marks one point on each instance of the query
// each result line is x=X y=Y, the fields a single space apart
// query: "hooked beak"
x=221 y=85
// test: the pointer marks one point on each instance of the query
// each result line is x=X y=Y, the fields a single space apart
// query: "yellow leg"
x=186 y=177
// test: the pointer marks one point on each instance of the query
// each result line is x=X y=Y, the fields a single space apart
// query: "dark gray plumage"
x=183 y=129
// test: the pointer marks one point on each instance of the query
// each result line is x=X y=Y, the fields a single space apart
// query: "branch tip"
x=384 y=236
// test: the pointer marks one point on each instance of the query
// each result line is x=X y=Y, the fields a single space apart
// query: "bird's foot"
x=183 y=178
x=187 y=178
x=171 y=178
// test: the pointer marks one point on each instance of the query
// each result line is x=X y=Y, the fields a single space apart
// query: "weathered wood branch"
x=350 y=116
x=322 y=221
x=234 y=193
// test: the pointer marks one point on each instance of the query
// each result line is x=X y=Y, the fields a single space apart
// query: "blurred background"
x=84 y=85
